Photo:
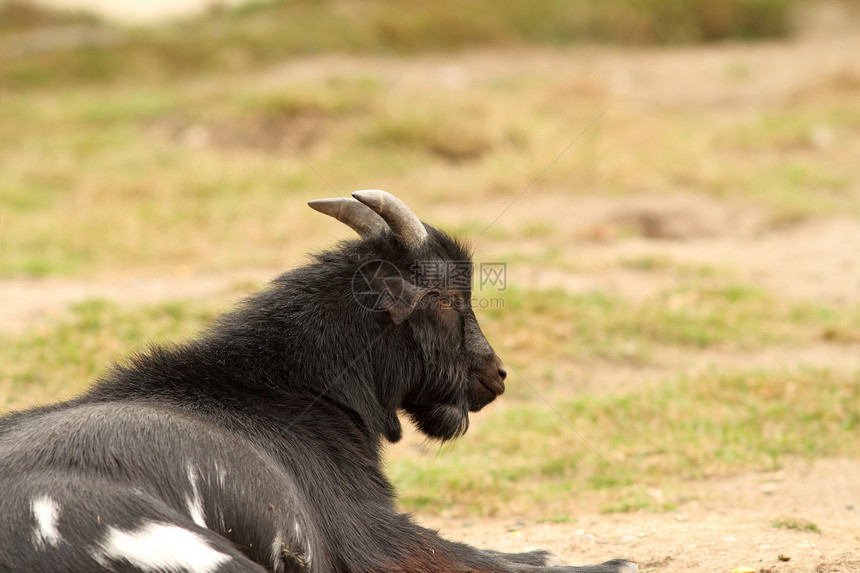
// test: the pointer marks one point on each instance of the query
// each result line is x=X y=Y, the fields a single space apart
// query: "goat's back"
x=90 y=486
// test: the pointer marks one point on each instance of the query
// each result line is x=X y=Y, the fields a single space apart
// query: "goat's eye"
x=446 y=302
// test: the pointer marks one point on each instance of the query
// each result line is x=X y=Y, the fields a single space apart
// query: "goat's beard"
x=440 y=421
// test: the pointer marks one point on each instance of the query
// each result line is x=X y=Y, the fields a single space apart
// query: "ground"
x=730 y=525
x=639 y=246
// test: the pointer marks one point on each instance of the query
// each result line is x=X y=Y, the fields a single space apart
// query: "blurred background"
x=673 y=186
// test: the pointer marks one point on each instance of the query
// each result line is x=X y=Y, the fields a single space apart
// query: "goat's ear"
x=405 y=301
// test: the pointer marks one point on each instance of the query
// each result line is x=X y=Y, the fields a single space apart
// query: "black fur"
x=261 y=438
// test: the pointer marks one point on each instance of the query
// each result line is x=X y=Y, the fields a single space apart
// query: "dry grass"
x=203 y=175
x=261 y=33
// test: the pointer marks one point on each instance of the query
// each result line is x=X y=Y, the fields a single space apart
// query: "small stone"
x=588 y=537
x=782 y=557
x=821 y=137
x=768 y=488
x=627 y=539
x=196 y=136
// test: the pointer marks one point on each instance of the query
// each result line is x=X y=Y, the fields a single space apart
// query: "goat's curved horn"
x=403 y=222
x=350 y=212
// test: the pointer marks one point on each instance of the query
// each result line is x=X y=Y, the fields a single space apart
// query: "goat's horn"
x=403 y=222
x=353 y=213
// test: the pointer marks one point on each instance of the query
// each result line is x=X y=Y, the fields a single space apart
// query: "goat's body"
x=256 y=447
x=301 y=485
x=123 y=486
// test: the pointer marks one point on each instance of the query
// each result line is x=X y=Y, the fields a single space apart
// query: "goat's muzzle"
x=493 y=376
x=489 y=383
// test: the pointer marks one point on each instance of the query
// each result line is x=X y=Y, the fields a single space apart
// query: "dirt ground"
x=727 y=523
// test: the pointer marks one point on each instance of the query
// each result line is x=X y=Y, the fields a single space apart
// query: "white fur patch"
x=160 y=547
x=195 y=504
x=47 y=513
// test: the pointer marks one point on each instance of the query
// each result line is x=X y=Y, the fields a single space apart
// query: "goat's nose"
x=502 y=372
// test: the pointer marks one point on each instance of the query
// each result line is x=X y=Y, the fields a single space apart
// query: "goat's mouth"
x=484 y=390
x=497 y=388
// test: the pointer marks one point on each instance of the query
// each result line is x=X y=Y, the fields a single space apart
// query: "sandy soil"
x=728 y=526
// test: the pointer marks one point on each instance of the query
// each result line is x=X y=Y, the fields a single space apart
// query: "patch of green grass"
x=549 y=326
x=648 y=263
x=537 y=229
x=525 y=458
x=665 y=264
x=796 y=524
x=635 y=499
x=797 y=188
x=793 y=129
x=81 y=194
x=558 y=519
x=778 y=159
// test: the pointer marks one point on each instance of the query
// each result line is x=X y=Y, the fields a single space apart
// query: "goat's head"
x=418 y=279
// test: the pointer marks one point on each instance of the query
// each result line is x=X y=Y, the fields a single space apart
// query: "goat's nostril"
x=502 y=372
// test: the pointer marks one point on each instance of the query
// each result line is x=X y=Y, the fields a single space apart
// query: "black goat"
x=256 y=446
